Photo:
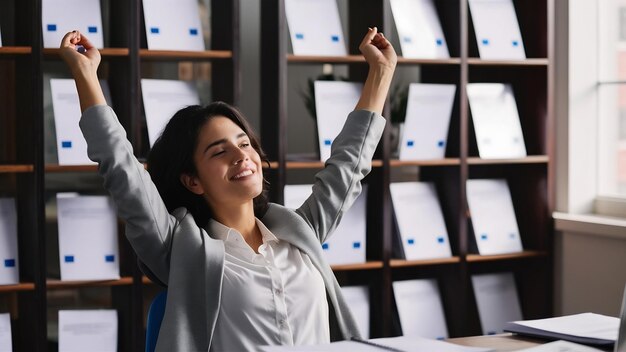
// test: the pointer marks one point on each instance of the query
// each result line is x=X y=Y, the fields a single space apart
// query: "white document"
x=589 y=325
x=497 y=301
x=61 y=16
x=420 y=308
x=497 y=30
x=162 y=99
x=346 y=244
x=420 y=220
x=9 y=263
x=496 y=121
x=88 y=244
x=173 y=25
x=561 y=346
x=493 y=217
x=6 y=341
x=88 y=330
x=0 y=37
x=358 y=298
x=315 y=27
x=333 y=102
x=428 y=113
x=419 y=29
x=71 y=145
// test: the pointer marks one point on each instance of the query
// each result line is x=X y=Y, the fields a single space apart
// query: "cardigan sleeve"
x=337 y=186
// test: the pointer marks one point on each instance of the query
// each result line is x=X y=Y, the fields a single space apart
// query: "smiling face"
x=229 y=170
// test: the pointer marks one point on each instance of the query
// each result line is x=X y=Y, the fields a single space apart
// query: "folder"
x=162 y=98
x=173 y=25
x=61 y=16
x=493 y=217
x=9 y=263
x=358 y=299
x=88 y=330
x=71 y=145
x=496 y=120
x=333 y=102
x=88 y=239
x=428 y=113
x=419 y=29
x=497 y=301
x=347 y=244
x=6 y=341
x=315 y=27
x=420 y=223
x=497 y=30
x=420 y=308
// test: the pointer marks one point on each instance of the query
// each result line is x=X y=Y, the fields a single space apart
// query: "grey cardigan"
x=190 y=262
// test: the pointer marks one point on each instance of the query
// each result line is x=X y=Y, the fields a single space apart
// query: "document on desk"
x=162 y=98
x=587 y=328
x=358 y=298
x=88 y=330
x=88 y=240
x=561 y=346
x=497 y=301
x=496 y=121
x=497 y=31
x=419 y=29
x=428 y=113
x=333 y=102
x=9 y=263
x=493 y=217
x=6 y=340
x=173 y=25
x=315 y=27
x=56 y=21
x=401 y=343
x=420 y=308
x=420 y=222
x=71 y=145
x=347 y=244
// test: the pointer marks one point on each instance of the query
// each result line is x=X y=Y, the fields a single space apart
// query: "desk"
x=500 y=342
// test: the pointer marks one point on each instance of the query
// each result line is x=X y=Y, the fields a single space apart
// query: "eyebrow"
x=223 y=140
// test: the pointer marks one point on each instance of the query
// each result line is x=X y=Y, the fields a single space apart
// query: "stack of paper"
x=419 y=29
x=9 y=264
x=420 y=222
x=561 y=346
x=420 y=309
x=62 y=16
x=402 y=343
x=496 y=121
x=496 y=297
x=497 y=31
x=358 y=298
x=428 y=114
x=88 y=243
x=162 y=99
x=88 y=330
x=6 y=341
x=71 y=145
x=493 y=217
x=346 y=244
x=333 y=102
x=315 y=27
x=173 y=25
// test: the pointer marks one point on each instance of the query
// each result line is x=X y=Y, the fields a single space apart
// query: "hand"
x=80 y=63
x=377 y=50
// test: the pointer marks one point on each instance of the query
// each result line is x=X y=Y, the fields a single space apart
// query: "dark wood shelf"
x=532 y=159
x=473 y=61
x=401 y=263
x=477 y=258
x=53 y=168
x=451 y=61
x=104 y=52
x=318 y=164
x=147 y=54
x=22 y=286
x=54 y=284
x=359 y=59
x=435 y=162
x=360 y=266
x=16 y=168
x=15 y=50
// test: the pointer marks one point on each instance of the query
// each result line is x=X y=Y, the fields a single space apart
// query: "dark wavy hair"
x=172 y=155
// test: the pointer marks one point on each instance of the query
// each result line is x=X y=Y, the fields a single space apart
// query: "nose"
x=240 y=157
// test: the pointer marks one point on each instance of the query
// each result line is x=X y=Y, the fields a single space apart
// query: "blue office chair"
x=155 y=316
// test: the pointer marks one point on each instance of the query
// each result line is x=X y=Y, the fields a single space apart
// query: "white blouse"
x=275 y=297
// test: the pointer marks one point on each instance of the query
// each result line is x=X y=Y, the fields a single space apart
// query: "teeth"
x=243 y=174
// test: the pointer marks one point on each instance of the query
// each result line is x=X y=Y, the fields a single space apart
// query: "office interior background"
x=569 y=193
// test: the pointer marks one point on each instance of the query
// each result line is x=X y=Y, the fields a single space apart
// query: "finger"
x=371 y=33
x=86 y=43
x=68 y=39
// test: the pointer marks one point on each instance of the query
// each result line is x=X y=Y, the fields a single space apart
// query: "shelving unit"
x=531 y=179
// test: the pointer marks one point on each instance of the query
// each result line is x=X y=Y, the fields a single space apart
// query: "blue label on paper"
x=483 y=237
x=299 y=36
x=92 y=29
x=325 y=246
x=334 y=38
x=9 y=263
x=410 y=143
x=485 y=41
x=109 y=258
x=356 y=245
x=439 y=42
x=69 y=258
x=52 y=28
x=193 y=31
x=441 y=144
x=441 y=240
x=154 y=30
x=411 y=241
x=407 y=39
x=515 y=43
x=491 y=332
x=66 y=144
x=327 y=142
x=440 y=338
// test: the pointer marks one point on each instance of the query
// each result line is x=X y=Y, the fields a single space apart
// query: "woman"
x=240 y=272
